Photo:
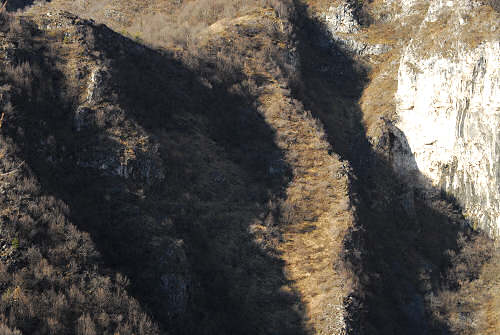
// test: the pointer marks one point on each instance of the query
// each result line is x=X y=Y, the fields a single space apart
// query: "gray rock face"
x=96 y=88
x=341 y=19
x=140 y=163
x=448 y=109
x=112 y=152
x=341 y=23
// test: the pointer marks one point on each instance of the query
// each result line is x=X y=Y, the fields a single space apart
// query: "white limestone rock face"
x=341 y=19
x=448 y=111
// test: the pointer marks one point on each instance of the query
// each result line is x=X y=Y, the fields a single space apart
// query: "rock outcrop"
x=341 y=23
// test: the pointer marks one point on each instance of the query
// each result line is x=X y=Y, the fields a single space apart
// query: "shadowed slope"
x=169 y=175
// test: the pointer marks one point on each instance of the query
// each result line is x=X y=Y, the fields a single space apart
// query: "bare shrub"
x=15 y=27
x=4 y=330
x=54 y=283
x=465 y=303
x=4 y=274
x=85 y=325
x=182 y=29
x=283 y=8
x=21 y=74
x=29 y=185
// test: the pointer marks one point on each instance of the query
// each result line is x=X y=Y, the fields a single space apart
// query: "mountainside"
x=249 y=167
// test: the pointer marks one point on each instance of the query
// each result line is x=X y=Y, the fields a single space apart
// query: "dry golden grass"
x=320 y=5
x=481 y=27
x=322 y=217
x=377 y=99
x=455 y=31
x=490 y=276
x=160 y=23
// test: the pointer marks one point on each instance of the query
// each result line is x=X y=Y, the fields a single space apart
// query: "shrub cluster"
x=49 y=275
x=469 y=299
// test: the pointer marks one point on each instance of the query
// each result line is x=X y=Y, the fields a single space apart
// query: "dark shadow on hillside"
x=399 y=248
x=14 y=5
x=185 y=240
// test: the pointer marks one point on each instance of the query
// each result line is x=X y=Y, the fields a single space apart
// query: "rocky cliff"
x=448 y=109
x=429 y=114
x=432 y=105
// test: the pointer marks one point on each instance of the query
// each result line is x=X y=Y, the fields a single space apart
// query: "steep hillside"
x=239 y=167
x=53 y=276
x=205 y=184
